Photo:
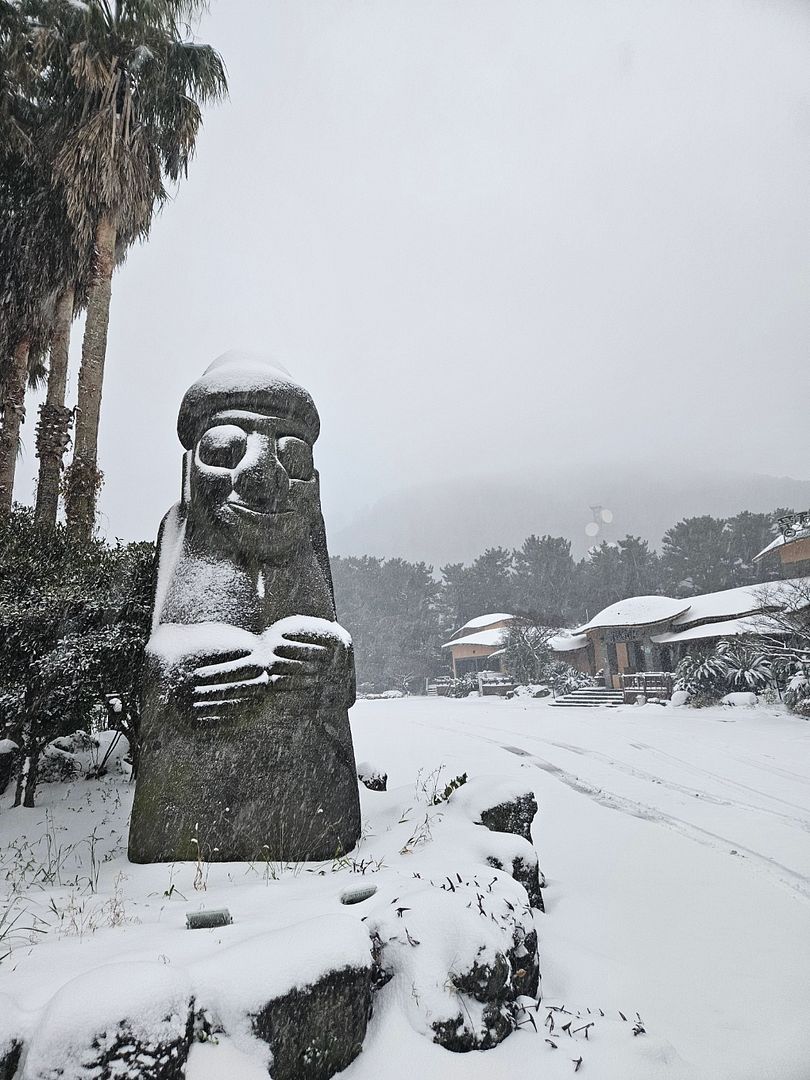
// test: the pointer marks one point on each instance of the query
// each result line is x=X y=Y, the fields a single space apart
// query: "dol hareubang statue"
x=246 y=750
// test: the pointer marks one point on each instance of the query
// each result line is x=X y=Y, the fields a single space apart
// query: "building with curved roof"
x=652 y=633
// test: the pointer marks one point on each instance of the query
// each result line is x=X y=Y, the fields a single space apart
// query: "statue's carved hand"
x=281 y=660
x=303 y=661
x=227 y=682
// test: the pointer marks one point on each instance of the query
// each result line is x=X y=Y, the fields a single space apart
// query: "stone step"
x=590 y=697
x=600 y=695
x=565 y=703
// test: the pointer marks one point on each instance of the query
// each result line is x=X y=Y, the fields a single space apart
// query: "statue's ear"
x=185 y=493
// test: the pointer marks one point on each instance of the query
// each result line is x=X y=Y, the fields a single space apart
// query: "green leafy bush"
x=746 y=667
x=74 y=619
x=564 y=679
x=703 y=676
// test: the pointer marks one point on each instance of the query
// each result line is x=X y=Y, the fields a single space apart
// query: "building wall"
x=622 y=657
x=582 y=659
x=462 y=654
x=795 y=557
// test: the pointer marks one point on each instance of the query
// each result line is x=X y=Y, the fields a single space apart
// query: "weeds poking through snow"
x=78 y=917
x=9 y=928
x=453 y=785
x=203 y=863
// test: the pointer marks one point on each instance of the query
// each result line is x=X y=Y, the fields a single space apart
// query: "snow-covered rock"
x=73 y=756
x=502 y=805
x=741 y=698
x=372 y=776
x=13 y=1031
x=463 y=949
x=304 y=992
x=8 y=749
x=679 y=698
x=530 y=690
x=125 y=1021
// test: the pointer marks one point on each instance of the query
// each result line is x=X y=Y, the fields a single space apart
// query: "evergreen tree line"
x=75 y=614
x=400 y=613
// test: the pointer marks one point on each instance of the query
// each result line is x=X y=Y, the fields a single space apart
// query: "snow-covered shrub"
x=467 y=684
x=564 y=679
x=746 y=667
x=703 y=676
x=73 y=624
x=797 y=692
x=527 y=654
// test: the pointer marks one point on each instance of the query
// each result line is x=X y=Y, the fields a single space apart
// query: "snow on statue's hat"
x=238 y=380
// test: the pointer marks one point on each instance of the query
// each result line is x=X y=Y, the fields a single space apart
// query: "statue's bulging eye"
x=296 y=457
x=222 y=446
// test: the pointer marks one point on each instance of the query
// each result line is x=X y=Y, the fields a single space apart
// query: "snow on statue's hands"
x=286 y=658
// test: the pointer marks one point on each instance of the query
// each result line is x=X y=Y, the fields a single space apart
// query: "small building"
x=575 y=649
x=652 y=633
x=792 y=546
x=478 y=645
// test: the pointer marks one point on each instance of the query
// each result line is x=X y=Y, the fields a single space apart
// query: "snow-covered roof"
x=486 y=638
x=726 y=604
x=741 y=601
x=483 y=621
x=780 y=541
x=728 y=628
x=799 y=530
x=637 y=611
x=566 y=642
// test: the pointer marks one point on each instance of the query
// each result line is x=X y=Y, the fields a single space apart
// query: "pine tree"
x=543 y=579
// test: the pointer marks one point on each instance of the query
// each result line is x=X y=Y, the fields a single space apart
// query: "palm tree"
x=40 y=262
x=27 y=275
x=129 y=122
x=55 y=417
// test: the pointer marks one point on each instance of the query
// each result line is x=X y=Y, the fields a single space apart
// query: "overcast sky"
x=495 y=235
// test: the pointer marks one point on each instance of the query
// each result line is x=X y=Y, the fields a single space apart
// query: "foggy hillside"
x=454 y=521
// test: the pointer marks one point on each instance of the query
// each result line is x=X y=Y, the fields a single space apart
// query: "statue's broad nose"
x=260 y=480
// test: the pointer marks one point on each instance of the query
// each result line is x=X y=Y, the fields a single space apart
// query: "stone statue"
x=246 y=751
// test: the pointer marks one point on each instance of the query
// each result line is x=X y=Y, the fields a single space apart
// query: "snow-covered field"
x=675 y=843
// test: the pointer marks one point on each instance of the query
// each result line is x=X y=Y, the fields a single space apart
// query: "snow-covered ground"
x=675 y=843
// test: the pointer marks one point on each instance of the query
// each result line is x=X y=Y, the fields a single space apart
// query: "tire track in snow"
x=791 y=819
x=775 y=770
x=706 y=796
x=717 y=777
x=796 y=883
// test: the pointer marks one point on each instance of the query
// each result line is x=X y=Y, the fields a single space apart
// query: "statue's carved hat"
x=239 y=380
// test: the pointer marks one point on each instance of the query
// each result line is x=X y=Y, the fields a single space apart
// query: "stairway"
x=590 y=697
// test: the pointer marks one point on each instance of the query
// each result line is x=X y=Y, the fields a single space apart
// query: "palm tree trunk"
x=30 y=740
x=12 y=416
x=54 y=417
x=84 y=478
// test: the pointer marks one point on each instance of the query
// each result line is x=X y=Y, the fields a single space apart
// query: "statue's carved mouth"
x=250 y=511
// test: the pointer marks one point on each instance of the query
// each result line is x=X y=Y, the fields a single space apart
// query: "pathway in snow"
x=677 y=849
x=706 y=784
